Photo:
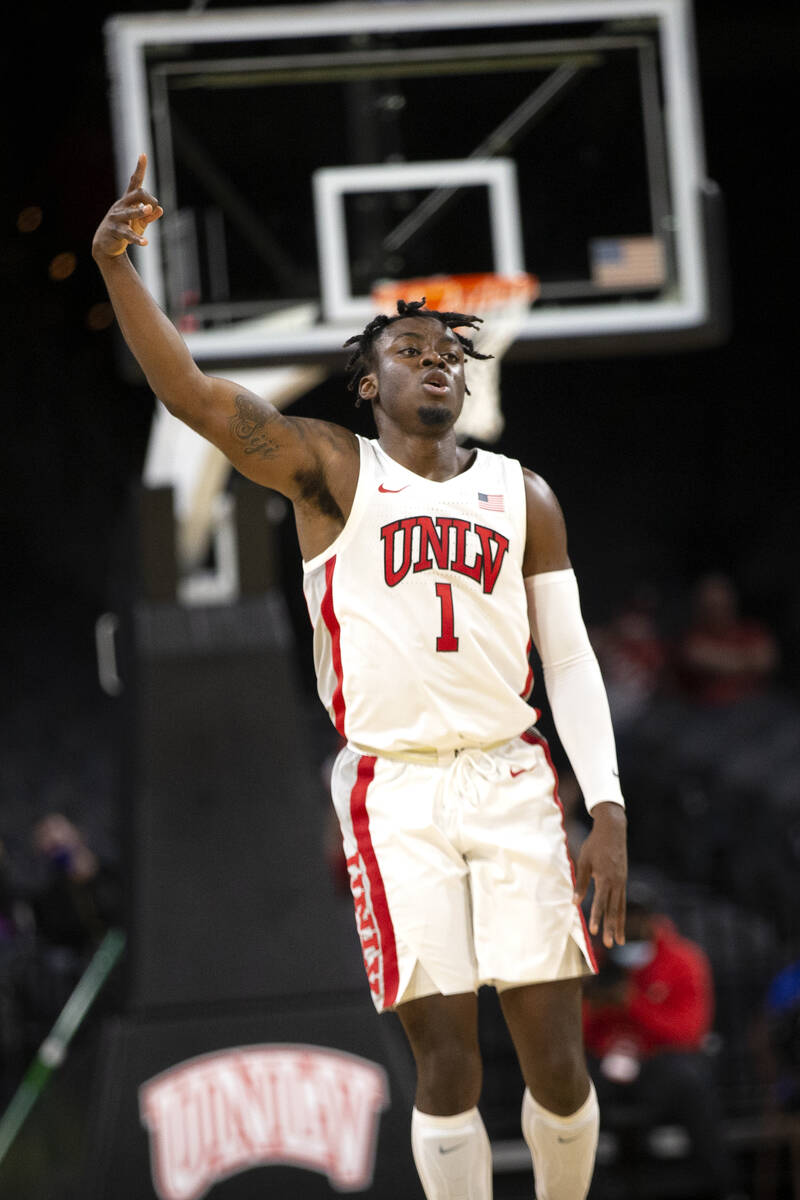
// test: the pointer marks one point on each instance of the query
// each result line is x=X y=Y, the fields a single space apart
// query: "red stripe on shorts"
x=535 y=739
x=526 y=691
x=377 y=892
x=332 y=625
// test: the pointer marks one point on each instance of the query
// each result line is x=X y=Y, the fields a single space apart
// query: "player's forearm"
x=575 y=687
x=578 y=702
x=153 y=340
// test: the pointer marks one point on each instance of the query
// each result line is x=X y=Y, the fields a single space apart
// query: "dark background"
x=667 y=466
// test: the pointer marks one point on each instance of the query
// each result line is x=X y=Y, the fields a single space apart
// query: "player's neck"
x=433 y=456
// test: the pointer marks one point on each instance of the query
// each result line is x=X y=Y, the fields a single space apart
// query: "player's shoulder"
x=546 y=533
x=533 y=481
x=540 y=498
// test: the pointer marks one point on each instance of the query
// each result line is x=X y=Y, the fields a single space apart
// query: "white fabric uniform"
x=450 y=818
x=459 y=871
x=421 y=632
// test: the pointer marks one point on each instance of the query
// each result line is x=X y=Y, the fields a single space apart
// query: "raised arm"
x=578 y=702
x=313 y=463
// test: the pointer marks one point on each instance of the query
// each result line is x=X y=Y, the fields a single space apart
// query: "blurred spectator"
x=647 y=1016
x=632 y=657
x=782 y=1042
x=80 y=898
x=723 y=658
x=776 y=1042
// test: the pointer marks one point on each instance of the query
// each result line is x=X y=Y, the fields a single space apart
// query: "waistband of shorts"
x=425 y=757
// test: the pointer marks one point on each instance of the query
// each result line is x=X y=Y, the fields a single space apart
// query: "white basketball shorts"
x=459 y=870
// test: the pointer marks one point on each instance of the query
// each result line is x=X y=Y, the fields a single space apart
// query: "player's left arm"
x=578 y=701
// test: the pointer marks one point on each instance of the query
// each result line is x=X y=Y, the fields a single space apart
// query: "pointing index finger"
x=138 y=175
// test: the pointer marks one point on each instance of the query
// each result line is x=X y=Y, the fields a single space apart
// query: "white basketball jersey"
x=421 y=634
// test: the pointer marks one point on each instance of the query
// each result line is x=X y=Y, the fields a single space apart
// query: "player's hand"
x=604 y=858
x=127 y=219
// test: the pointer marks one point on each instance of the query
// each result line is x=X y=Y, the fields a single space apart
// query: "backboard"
x=304 y=153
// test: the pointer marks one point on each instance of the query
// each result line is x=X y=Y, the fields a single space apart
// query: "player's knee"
x=557 y=1076
x=449 y=1077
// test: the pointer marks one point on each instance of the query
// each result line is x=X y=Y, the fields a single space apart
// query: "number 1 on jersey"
x=447 y=639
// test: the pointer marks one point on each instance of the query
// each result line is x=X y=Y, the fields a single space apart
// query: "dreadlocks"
x=359 y=362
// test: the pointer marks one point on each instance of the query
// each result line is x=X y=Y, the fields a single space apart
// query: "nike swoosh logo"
x=521 y=771
x=572 y=1139
x=450 y=1149
x=381 y=488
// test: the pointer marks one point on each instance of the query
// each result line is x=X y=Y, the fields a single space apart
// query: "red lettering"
x=459 y=563
x=447 y=639
x=434 y=548
x=392 y=576
x=366 y=926
x=431 y=539
x=491 y=563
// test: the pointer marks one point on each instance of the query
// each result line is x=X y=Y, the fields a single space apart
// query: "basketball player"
x=428 y=567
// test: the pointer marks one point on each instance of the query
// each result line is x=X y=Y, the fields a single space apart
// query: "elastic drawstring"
x=466 y=764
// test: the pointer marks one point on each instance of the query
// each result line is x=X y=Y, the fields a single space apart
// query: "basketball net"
x=502 y=301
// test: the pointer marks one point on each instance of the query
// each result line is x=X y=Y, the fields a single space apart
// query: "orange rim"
x=478 y=292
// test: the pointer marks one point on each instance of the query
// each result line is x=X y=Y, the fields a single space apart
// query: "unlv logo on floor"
x=213 y=1116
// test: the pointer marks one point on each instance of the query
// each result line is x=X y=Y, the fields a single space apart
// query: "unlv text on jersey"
x=419 y=543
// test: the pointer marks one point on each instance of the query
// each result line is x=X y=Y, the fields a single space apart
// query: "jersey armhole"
x=359 y=501
x=519 y=507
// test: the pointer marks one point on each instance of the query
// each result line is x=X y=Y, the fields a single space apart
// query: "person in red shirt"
x=647 y=1015
x=661 y=998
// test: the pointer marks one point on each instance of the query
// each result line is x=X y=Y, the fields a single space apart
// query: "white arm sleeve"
x=574 y=684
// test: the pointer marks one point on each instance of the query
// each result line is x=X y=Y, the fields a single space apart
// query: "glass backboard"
x=304 y=154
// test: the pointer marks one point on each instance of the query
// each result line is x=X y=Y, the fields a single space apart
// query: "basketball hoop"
x=502 y=301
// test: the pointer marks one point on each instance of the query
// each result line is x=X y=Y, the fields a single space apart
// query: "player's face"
x=419 y=376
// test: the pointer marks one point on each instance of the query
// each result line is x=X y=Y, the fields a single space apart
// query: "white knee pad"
x=562 y=1148
x=452 y=1156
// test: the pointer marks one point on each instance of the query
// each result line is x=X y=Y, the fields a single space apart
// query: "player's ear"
x=368 y=386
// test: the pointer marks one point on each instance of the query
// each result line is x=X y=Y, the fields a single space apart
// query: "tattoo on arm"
x=248 y=425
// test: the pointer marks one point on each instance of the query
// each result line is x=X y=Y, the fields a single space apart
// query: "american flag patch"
x=628 y=262
x=491 y=502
